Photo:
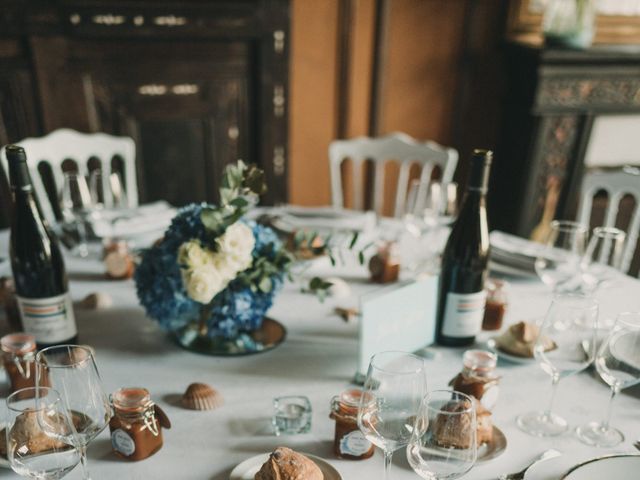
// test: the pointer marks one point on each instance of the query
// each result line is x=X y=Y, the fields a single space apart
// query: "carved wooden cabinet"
x=196 y=83
x=551 y=101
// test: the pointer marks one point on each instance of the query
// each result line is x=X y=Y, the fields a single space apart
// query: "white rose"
x=241 y=262
x=237 y=242
x=192 y=255
x=202 y=284
x=225 y=268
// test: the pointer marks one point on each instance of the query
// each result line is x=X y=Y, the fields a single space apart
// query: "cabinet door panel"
x=186 y=105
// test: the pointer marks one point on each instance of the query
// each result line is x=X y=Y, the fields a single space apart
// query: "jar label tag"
x=122 y=442
x=354 y=443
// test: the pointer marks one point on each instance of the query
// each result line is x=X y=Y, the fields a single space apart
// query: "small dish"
x=247 y=470
x=493 y=449
x=491 y=344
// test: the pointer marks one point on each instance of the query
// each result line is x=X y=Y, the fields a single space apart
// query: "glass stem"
x=388 y=456
x=83 y=461
x=554 y=389
x=607 y=419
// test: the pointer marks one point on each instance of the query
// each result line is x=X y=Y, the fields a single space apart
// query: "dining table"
x=318 y=359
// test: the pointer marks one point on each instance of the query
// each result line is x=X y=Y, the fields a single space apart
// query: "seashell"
x=200 y=396
x=97 y=300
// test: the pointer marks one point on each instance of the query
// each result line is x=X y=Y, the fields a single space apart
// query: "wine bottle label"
x=463 y=314
x=51 y=319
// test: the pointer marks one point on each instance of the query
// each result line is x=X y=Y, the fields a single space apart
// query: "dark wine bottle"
x=38 y=269
x=462 y=298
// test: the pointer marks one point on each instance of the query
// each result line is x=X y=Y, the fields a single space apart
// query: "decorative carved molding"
x=278 y=100
x=580 y=92
x=279 y=162
x=108 y=19
x=557 y=138
x=170 y=21
x=278 y=41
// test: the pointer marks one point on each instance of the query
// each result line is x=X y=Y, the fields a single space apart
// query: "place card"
x=399 y=317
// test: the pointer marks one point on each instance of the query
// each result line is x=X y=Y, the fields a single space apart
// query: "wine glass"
x=565 y=345
x=618 y=363
x=558 y=264
x=76 y=209
x=603 y=258
x=71 y=369
x=444 y=441
x=395 y=385
x=430 y=207
x=33 y=451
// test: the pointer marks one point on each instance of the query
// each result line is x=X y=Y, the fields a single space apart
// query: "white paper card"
x=400 y=317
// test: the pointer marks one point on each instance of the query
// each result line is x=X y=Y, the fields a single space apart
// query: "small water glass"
x=292 y=415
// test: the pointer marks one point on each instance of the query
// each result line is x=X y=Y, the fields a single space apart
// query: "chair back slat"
x=378 y=187
x=63 y=144
x=617 y=184
x=397 y=147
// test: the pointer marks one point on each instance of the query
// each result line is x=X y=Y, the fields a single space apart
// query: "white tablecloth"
x=318 y=360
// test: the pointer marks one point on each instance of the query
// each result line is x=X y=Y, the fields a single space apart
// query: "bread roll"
x=285 y=464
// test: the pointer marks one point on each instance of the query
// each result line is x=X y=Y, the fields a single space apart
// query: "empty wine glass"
x=35 y=452
x=618 y=363
x=558 y=264
x=395 y=385
x=76 y=209
x=444 y=441
x=430 y=206
x=71 y=369
x=565 y=345
x=603 y=258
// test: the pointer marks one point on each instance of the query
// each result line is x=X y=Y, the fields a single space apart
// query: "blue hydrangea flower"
x=159 y=286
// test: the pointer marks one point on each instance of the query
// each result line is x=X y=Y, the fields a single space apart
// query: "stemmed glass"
x=565 y=345
x=618 y=363
x=430 y=206
x=444 y=442
x=603 y=258
x=395 y=385
x=33 y=451
x=76 y=208
x=71 y=369
x=558 y=264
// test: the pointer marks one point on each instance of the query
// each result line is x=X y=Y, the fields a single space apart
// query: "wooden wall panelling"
x=18 y=110
x=313 y=120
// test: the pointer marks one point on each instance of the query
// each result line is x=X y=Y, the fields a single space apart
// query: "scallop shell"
x=96 y=301
x=200 y=396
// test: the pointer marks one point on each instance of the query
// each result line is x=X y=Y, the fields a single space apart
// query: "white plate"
x=618 y=467
x=247 y=470
x=491 y=344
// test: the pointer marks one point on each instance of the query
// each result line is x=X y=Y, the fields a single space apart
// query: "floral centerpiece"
x=214 y=274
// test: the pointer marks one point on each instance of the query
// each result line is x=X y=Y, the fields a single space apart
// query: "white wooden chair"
x=616 y=184
x=397 y=147
x=63 y=144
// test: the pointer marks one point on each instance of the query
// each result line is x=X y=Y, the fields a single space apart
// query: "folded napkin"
x=512 y=254
x=291 y=218
x=128 y=222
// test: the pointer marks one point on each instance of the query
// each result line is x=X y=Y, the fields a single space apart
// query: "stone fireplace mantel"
x=552 y=99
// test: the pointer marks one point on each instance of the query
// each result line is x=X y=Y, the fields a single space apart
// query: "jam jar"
x=18 y=357
x=496 y=304
x=478 y=377
x=349 y=442
x=136 y=425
